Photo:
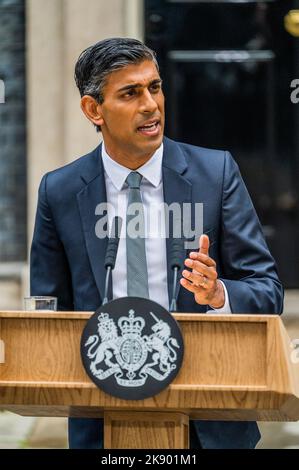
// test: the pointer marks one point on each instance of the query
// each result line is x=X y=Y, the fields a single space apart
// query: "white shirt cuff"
x=226 y=307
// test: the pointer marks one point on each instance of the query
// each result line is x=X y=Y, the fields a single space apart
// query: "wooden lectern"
x=236 y=367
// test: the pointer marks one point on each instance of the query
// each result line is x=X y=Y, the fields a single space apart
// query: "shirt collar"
x=151 y=170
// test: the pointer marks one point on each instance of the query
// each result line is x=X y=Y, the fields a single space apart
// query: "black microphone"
x=112 y=252
x=175 y=264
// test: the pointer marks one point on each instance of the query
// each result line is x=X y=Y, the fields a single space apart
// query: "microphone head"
x=113 y=242
x=176 y=253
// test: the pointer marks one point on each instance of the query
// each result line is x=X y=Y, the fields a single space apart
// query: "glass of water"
x=40 y=302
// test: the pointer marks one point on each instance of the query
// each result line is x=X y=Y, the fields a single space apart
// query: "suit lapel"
x=176 y=189
x=88 y=199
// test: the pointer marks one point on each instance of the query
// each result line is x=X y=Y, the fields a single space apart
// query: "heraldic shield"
x=132 y=348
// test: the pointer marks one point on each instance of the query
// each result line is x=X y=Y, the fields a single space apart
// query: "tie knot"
x=134 y=179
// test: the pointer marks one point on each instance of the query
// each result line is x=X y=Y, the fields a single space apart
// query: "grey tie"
x=137 y=278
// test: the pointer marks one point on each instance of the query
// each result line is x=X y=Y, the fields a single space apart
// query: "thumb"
x=204 y=244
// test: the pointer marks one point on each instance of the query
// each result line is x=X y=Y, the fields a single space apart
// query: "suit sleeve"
x=249 y=271
x=49 y=268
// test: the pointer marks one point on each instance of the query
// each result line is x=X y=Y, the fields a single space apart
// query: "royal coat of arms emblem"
x=132 y=351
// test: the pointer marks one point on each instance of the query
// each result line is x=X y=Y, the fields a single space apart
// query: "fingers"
x=204 y=244
x=203 y=258
x=202 y=268
x=203 y=276
x=189 y=286
x=197 y=279
x=202 y=279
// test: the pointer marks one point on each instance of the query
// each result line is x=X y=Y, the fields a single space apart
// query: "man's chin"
x=151 y=145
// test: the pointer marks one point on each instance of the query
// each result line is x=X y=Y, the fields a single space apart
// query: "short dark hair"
x=96 y=62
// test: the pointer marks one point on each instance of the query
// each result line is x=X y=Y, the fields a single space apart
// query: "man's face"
x=132 y=114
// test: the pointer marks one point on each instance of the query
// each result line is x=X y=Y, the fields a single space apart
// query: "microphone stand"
x=173 y=305
x=107 y=279
x=176 y=262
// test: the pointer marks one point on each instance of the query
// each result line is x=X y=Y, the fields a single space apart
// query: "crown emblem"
x=130 y=324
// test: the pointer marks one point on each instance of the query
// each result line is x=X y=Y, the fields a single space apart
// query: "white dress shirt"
x=155 y=245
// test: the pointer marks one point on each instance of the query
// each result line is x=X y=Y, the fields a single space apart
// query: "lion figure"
x=107 y=332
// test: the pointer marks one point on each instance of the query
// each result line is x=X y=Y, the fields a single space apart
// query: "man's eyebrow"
x=139 y=85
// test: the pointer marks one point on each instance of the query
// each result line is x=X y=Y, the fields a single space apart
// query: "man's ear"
x=92 y=110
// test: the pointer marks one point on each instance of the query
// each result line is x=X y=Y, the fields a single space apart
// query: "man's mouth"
x=151 y=129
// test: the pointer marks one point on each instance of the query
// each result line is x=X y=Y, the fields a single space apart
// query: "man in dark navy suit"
x=232 y=271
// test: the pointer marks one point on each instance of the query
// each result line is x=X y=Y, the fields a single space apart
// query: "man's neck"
x=133 y=162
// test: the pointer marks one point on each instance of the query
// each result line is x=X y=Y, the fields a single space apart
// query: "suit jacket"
x=67 y=259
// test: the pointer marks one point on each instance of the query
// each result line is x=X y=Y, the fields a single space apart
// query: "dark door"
x=227 y=68
x=12 y=131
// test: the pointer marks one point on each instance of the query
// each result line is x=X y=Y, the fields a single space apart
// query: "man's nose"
x=148 y=103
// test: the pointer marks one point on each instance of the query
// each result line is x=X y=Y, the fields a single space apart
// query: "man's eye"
x=129 y=93
x=156 y=87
